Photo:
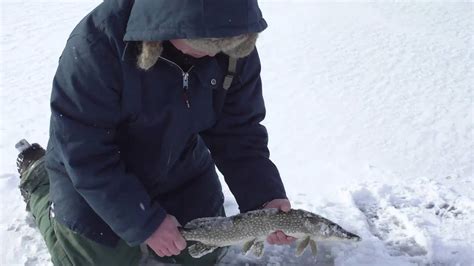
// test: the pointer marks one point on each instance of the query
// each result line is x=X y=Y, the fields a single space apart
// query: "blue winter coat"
x=125 y=149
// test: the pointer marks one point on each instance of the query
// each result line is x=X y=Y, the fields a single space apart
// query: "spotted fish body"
x=252 y=228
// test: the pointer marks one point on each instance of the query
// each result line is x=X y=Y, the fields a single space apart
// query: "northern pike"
x=252 y=228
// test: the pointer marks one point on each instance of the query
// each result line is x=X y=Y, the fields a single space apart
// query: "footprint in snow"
x=445 y=210
x=389 y=225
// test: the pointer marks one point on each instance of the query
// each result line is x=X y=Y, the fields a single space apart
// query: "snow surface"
x=370 y=115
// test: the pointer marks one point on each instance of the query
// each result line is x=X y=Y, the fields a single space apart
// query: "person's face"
x=181 y=45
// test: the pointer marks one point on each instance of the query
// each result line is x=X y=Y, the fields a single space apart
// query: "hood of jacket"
x=158 y=20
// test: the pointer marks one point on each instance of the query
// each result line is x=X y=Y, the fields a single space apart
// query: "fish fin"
x=314 y=247
x=199 y=249
x=257 y=249
x=302 y=246
x=247 y=246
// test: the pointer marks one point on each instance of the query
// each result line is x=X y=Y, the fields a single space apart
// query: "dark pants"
x=69 y=248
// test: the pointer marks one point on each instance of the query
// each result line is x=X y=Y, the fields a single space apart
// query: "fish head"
x=324 y=229
x=342 y=234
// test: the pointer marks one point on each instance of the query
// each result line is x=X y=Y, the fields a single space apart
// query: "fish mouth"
x=353 y=237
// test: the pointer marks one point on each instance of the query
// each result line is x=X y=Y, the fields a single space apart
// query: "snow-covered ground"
x=370 y=115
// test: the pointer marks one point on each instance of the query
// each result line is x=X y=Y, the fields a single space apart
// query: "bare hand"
x=278 y=237
x=167 y=240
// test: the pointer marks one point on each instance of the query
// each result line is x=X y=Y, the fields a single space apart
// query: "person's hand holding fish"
x=278 y=237
x=167 y=240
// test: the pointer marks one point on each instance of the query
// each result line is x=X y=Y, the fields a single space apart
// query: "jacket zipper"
x=185 y=76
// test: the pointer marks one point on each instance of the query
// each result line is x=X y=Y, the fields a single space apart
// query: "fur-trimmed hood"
x=213 y=26
x=236 y=47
